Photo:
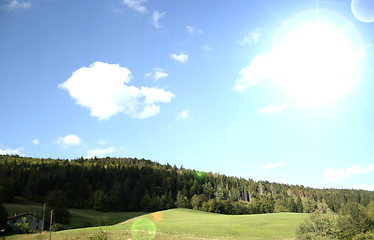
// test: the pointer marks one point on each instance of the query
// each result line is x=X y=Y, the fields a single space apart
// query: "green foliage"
x=239 y=208
x=3 y=216
x=318 y=226
x=182 y=201
x=125 y=184
x=280 y=206
x=99 y=202
x=352 y=222
x=59 y=227
x=370 y=211
x=261 y=205
x=145 y=202
x=309 y=205
x=364 y=236
x=253 y=207
x=58 y=201
x=5 y=190
x=101 y=235
x=24 y=225
x=196 y=202
x=102 y=221
x=322 y=207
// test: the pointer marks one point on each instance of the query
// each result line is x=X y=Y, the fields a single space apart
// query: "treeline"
x=125 y=184
x=352 y=221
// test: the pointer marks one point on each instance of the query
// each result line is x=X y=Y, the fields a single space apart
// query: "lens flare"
x=363 y=10
x=200 y=175
x=143 y=229
x=157 y=217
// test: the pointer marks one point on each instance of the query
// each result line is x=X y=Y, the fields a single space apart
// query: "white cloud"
x=102 y=88
x=100 y=152
x=156 y=17
x=355 y=169
x=149 y=111
x=207 y=48
x=273 y=109
x=136 y=5
x=158 y=73
x=148 y=75
x=69 y=140
x=182 y=58
x=183 y=114
x=102 y=142
x=270 y=165
x=332 y=174
x=153 y=95
x=16 y=5
x=35 y=141
x=194 y=30
x=10 y=151
x=261 y=68
x=364 y=187
x=251 y=37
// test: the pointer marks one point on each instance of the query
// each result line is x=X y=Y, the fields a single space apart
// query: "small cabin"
x=35 y=224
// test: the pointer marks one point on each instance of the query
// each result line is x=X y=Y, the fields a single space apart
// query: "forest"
x=130 y=184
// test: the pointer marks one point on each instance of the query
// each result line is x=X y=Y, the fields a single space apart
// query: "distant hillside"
x=124 y=184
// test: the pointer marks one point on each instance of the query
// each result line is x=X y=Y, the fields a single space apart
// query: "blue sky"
x=269 y=90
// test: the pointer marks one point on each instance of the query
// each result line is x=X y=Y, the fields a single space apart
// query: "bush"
x=103 y=221
x=88 y=224
x=364 y=236
x=318 y=226
x=24 y=226
x=352 y=222
x=101 y=235
x=59 y=227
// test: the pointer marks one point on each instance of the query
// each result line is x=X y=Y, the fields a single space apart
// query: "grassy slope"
x=80 y=217
x=190 y=224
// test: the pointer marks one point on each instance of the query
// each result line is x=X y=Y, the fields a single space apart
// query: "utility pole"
x=43 y=217
x=33 y=221
x=50 y=226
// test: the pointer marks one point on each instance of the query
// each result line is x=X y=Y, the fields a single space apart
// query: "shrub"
x=102 y=221
x=101 y=235
x=59 y=227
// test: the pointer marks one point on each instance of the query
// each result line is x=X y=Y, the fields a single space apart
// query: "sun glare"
x=317 y=61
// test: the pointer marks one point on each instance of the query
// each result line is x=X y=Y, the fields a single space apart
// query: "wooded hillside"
x=125 y=184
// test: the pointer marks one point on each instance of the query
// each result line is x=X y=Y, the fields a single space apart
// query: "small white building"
x=35 y=224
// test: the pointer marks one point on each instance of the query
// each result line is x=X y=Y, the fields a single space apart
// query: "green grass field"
x=80 y=217
x=189 y=224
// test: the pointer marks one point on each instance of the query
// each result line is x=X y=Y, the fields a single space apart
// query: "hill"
x=190 y=224
x=125 y=184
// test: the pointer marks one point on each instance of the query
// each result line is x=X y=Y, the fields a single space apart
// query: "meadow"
x=79 y=217
x=188 y=224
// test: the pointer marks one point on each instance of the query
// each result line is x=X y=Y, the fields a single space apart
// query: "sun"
x=317 y=60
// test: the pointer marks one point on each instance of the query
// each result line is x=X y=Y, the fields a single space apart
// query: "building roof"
x=19 y=215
